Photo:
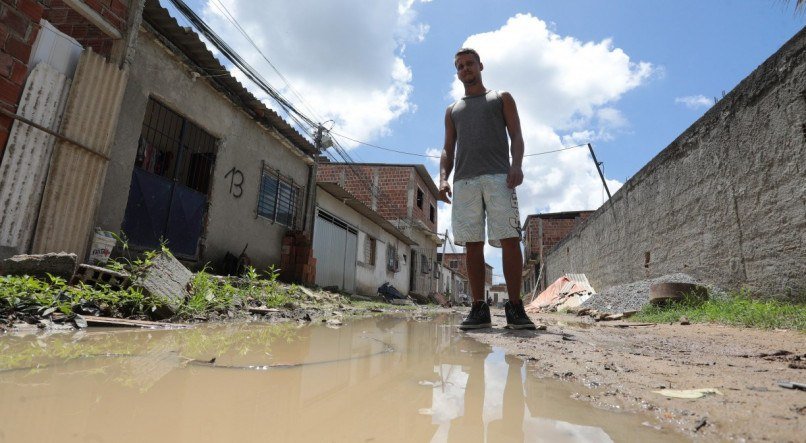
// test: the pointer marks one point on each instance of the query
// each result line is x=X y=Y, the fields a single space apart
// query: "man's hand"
x=515 y=177
x=445 y=192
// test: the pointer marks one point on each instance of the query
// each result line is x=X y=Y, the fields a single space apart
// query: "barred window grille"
x=392 y=263
x=278 y=199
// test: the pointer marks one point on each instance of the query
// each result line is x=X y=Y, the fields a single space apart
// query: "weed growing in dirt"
x=737 y=308
x=210 y=293
x=25 y=295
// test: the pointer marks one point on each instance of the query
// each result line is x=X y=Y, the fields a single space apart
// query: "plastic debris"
x=687 y=393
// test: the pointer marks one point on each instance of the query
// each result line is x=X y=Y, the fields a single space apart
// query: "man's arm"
x=516 y=146
x=446 y=160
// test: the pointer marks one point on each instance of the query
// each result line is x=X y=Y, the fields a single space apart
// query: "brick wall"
x=461 y=259
x=67 y=20
x=19 y=25
x=724 y=202
x=392 y=182
x=556 y=226
x=429 y=199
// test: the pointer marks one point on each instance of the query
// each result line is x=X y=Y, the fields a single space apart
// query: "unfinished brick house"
x=457 y=261
x=406 y=196
x=541 y=233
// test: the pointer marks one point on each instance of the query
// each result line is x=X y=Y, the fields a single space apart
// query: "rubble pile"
x=630 y=296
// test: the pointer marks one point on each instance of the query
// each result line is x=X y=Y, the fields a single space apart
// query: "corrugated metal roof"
x=191 y=46
x=340 y=193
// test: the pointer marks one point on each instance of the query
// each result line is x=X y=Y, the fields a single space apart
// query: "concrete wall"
x=424 y=282
x=725 y=202
x=369 y=277
x=243 y=144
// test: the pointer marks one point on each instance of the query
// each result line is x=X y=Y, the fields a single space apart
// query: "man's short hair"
x=464 y=51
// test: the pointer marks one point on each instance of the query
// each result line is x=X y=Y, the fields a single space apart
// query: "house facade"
x=356 y=249
x=406 y=196
x=540 y=234
x=457 y=262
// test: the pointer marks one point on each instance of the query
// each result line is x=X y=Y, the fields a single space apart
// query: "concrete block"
x=168 y=281
x=92 y=275
x=60 y=264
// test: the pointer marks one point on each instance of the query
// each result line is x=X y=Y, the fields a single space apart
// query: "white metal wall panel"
x=74 y=181
x=335 y=249
x=350 y=256
x=24 y=168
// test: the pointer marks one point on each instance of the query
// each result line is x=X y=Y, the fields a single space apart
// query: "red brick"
x=18 y=72
x=114 y=20
x=56 y=15
x=3 y=35
x=6 y=63
x=119 y=8
x=15 y=22
x=95 y=5
x=31 y=8
x=32 y=33
x=3 y=140
x=9 y=91
x=18 y=49
x=5 y=122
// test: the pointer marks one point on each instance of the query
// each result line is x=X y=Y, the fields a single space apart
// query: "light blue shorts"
x=484 y=197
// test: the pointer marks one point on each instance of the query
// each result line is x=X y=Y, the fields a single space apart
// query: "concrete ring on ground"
x=661 y=293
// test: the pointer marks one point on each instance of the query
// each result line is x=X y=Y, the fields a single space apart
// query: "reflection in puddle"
x=260 y=382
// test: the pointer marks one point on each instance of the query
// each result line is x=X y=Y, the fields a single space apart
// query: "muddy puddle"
x=373 y=380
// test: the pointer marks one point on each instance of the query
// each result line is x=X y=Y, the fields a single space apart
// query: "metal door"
x=335 y=248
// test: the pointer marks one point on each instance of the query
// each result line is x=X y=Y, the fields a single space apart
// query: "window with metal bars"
x=278 y=199
x=174 y=147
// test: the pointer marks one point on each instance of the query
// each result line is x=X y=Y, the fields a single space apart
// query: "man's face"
x=468 y=69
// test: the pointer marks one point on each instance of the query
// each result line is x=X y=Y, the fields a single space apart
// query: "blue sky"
x=628 y=76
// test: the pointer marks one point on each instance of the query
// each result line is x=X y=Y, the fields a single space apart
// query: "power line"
x=371 y=145
x=231 y=18
x=239 y=62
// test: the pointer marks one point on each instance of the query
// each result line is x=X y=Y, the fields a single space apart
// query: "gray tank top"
x=482 y=146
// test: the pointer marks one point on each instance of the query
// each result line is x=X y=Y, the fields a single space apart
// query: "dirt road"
x=622 y=363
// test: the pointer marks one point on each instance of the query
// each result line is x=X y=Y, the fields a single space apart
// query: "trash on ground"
x=792 y=385
x=687 y=393
x=567 y=292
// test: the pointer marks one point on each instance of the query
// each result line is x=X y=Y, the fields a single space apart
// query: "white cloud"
x=566 y=91
x=434 y=152
x=344 y=58
x=695 y=101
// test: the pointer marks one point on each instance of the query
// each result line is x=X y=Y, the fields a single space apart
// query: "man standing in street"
x=476 y=128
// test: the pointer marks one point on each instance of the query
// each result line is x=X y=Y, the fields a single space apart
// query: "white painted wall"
x=369 y=277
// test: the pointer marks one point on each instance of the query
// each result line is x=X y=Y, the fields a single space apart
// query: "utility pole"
x=601 y=175
x=320 y=142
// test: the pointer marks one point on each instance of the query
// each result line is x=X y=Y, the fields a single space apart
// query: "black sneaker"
x=516 y=316
x=478 y=318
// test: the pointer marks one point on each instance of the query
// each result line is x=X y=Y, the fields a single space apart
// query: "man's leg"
x=476 y=269
x=514 y=309
x=479 y=316
x=512 y=259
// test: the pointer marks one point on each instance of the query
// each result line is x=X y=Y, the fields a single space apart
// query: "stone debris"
x=59 y=264
x=92 y=275
x=630 y=296
x=167 y=280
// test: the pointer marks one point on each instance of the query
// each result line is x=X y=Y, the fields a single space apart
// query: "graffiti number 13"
x=235 y=182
